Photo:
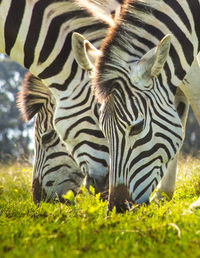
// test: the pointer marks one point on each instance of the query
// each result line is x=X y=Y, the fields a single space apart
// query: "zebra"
x=54 y=172
x=38 y=37
x=45 y=185
x=142 y=61
x=41 y=51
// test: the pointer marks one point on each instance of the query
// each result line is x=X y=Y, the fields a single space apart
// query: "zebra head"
x=137 y=117
x=54 y=170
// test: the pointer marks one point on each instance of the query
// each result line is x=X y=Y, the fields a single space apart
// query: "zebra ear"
x=85 y=53
x=153 y=61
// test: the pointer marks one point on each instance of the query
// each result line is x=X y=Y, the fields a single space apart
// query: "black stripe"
x=147 y=138
x=83 y=102
x=13 y=22
x=167 y=128
x=116 y=154
x=185 y=43
x=96 y=133
x=163 y=118
x=180 y=12
x=155 y=105
x=55 y=155
x=56 y=66
x=33 y=32
x=162 y=136
x=80 y=94
x=122 y=148
x=96 y=111
x=82 y=111
x=146 y=188
x=54 y=144
x=92 y=145
x=147 y=154
x=137 y=171
x=169 y=83
x=64 y=86
x=70 y=180
x=195 y=7
x=87 y=119
x=55 y=169
x=86 y=154
x=54 y=29
x=144 y=177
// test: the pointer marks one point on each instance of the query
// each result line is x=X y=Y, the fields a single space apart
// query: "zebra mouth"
x=119 y=198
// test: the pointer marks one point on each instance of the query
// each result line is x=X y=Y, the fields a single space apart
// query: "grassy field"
x=84 y=230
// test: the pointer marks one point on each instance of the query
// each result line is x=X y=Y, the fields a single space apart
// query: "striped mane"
x=120 y=36
x=30 y=99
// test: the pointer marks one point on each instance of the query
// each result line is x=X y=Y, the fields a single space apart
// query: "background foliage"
x=14 y=133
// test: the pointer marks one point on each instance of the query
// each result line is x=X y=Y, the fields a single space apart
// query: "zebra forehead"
x=110 y=70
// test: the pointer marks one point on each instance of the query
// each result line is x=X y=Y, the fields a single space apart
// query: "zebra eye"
x=137 y=127
x=47 y=137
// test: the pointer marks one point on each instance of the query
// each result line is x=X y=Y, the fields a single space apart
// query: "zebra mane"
x=32 y=96
x=119 y=36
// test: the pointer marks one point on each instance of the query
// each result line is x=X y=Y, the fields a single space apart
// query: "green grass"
x=84 y=229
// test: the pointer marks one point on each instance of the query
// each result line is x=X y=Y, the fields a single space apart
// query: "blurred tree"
x=14 y=136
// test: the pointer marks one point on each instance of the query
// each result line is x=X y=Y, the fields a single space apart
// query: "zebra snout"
x=38 y=193
x=120 y=198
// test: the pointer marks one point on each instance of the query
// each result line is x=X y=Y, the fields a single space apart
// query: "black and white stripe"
x=135 y=80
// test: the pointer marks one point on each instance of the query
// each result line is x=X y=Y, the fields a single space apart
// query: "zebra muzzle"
x=120 y=198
